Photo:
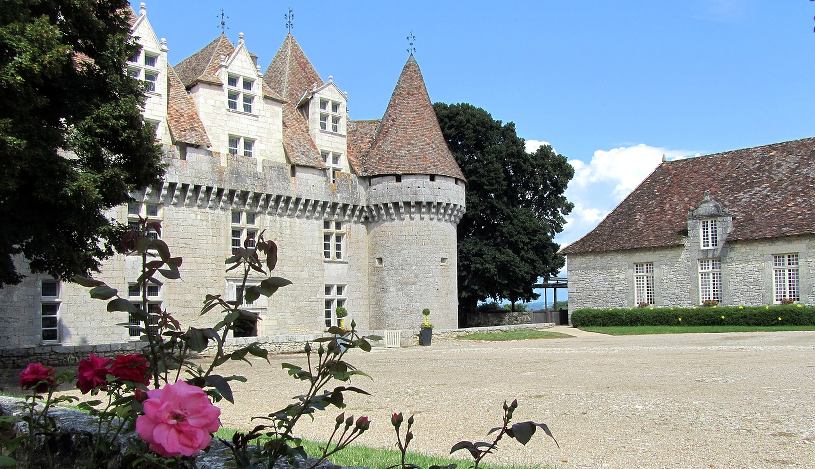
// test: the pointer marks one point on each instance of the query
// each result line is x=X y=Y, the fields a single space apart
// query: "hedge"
x=795 y=314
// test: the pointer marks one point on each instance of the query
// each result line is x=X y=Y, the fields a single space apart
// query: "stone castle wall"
x=606 y=280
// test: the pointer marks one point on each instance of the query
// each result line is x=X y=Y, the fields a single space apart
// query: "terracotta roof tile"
x=768 y=189
x=360 y=137
x=409 y=139
x=291 y=75
x=204 y=64
x=182 y=115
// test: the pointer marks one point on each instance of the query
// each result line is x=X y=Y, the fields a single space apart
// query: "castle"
x=364 y=212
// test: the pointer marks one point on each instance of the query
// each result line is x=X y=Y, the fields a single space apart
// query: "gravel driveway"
x=690 y=400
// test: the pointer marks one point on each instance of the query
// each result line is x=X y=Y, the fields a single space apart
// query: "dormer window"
x=332 y=163
x=709 y=234
x=330 y=115
x=143 y=66
x=240 y=93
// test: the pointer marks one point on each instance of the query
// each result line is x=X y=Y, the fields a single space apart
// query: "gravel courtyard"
x=689 y=400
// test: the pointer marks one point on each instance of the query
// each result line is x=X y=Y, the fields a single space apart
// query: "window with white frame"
x=709 y=234
x=246 y=325
x=134 y=295
x=330 y=116
x=240 y=93
x=144 y=66
x=333 y=240
x=710 y=280
x=50 y=304
x=335 y=296
x=149 y=211
x=785 y=278
x=239 y=145
x=644 y=283
x=332 y=164
x=244 y=230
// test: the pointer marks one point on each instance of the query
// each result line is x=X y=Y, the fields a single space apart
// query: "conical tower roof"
x=291 y=75
x=204 y=64
x=409 y=139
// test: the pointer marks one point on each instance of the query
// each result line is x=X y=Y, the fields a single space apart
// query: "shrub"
x=426 y=319
x=797 y=315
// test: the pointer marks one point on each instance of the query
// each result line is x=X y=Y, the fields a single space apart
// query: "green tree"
x=72 y=138
x=515 y=207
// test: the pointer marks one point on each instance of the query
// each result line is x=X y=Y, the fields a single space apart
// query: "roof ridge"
x=732 y=150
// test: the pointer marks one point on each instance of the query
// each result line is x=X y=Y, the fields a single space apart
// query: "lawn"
x=521 y=334
x=641 y=330
x=378 y=458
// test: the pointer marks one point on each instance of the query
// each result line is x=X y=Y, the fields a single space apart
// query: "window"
x=333 y=240
x=709 y=234
x=240 y=90
x=243 y=232
x=785 y=278
x=144 y=67
x=332 y=164
x=644 y=283
x=710 y=280
x=134 y=292
x=246 y=326
x=147 y=210
x=241 y=145
x=334 y=298
x=49 y=310
x=330 y=111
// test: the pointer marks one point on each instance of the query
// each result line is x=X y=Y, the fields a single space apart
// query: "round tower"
x=415 y=201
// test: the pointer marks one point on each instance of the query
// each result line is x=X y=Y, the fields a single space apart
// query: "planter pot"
x=425 y=336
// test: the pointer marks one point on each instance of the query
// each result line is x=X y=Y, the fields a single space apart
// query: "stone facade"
x=606 y=279
x=397 y=248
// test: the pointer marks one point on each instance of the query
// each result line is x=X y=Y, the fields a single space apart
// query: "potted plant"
x=341 y=313
x=426 y=332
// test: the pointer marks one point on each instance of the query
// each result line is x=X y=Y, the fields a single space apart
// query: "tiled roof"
x=182 y=115
x=360 y=137
x=204 y=64
x=769 y=190
x=291 y=75
x=409 y=139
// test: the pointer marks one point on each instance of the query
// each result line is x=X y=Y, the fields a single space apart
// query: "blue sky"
x=611 y=84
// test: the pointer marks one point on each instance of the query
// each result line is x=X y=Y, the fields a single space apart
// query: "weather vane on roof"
x=411 y=41
x=222 y=23
x=289 y=17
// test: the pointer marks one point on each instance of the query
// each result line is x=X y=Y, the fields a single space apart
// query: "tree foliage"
x=72 y=138
x=515 y=207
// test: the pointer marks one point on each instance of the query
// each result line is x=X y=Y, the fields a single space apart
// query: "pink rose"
x=92 y=373
x=178 y=420
x=133 y=368
x=37 y=376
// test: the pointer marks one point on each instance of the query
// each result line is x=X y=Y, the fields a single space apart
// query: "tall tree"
x=515 y=207
x=72 y=138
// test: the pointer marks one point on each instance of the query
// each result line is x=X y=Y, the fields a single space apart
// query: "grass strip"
x=643 y=330
x=521 y=334
x=380 y=458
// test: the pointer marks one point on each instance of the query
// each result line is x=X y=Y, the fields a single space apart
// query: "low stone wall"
x=453 y=333
x=503 y=318
x=62 y=355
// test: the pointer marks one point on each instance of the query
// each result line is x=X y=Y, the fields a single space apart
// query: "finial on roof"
x=664 y=158
x=222 y=23
x=706 y=197
x=163 y=43
x=142 y=8
x=331 y=78
x=289 y=17
x=411 y=41
x=241 y=37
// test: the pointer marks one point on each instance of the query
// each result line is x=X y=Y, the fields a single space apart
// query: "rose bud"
x=396 y=419
x=140 y=395
x=363 y=423
x=410 y=420
x=349 y=421
x=408 y=437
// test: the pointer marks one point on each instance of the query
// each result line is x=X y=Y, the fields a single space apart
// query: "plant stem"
x=153 y=354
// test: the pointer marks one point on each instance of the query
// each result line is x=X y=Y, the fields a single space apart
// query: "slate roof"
x=291 y=75
x=409 y=138
x=203 y=66
x=769 y=190
x=182 y=115
x=360 y=137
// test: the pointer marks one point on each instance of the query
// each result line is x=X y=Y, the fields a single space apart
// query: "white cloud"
x=623 y=167
x=532 y=145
